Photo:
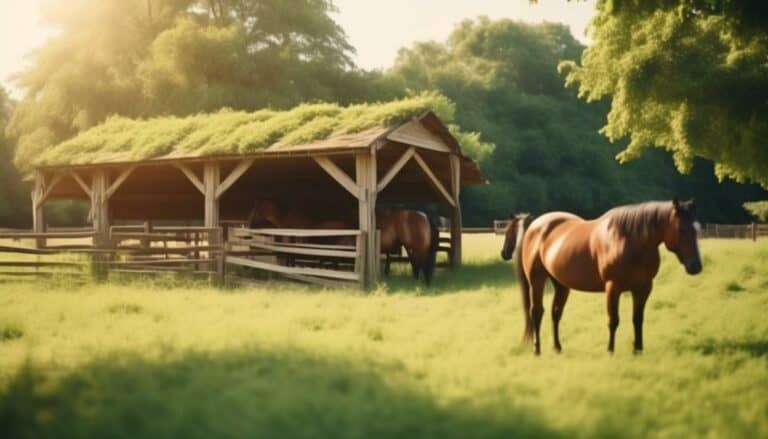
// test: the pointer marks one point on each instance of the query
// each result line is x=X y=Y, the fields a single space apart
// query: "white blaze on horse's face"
x=683 y=239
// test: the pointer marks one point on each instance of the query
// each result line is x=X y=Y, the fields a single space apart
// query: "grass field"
x=162 y=358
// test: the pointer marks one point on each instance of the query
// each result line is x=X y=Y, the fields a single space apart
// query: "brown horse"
x=614 y=253
x=414 y=231
x=268 y=212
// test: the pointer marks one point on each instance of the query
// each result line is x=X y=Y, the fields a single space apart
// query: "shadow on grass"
x=755 y=348
x=246 y=393
x=470 y=276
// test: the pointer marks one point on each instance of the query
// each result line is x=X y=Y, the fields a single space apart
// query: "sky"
x=377 y=29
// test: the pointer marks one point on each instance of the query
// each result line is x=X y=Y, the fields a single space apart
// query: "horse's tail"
x=434 y=243
x=525 y=286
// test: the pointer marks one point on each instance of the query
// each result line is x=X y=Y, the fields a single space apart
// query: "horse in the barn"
x=268 y=212
x=616 y=252
x=414 y=231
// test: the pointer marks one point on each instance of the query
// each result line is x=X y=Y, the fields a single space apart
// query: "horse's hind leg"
x=414 y=260
x=537 y=278
x=612 y=294
x=558 y=304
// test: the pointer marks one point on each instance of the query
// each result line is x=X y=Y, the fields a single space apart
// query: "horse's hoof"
x=637 y=351
x=558 y=350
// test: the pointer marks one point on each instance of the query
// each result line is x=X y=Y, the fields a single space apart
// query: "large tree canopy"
x=549 y=155
x=689 y=76
x=13 y=195
x=141 y=58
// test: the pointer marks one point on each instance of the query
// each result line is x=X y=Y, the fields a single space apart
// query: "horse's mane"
x=638 y=220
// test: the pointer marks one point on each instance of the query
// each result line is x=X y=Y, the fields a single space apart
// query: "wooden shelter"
x=343 y=175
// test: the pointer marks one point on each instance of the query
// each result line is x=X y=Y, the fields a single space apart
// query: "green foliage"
x=549 y=156
x=237 y=132
x=286 y=360
x=759 y=209
x=15 y=202
x=688 y=76
x=137 y=58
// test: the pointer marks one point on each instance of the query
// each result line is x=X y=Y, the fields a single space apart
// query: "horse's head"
x=515 y=228
x=263 y=212
x=681 y=237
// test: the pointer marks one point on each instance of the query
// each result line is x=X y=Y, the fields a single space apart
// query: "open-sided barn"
x=328 y=161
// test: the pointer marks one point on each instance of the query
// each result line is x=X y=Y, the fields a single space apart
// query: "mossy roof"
x=228 y=132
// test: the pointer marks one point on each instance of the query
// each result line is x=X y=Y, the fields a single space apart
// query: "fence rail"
x=128 y=249
x=743 y=231
x=326 y=257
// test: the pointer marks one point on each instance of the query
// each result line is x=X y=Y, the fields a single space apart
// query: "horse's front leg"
x=639 y=297
x=612 y=294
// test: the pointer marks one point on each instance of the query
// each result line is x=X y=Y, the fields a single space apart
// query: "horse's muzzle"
x=506 y=255
x=693 y=266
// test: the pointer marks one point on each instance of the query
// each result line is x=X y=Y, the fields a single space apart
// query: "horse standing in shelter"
x=616 y=252
x=414 y=231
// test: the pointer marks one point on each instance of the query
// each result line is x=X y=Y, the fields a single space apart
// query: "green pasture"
x=169 y=358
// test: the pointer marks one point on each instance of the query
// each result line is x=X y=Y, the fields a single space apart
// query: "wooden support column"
x=100 y=208
x=211 y=181
x=365 y=175
x=456 y=223
x=38 y=213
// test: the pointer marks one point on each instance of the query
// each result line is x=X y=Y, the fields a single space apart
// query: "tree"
x=140 y=58
x=688 y=76
x=758 y=209
x=15 y=201
x=549 y=155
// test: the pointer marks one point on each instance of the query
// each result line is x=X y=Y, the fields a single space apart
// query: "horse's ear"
x=676 y=203
x=511 y=216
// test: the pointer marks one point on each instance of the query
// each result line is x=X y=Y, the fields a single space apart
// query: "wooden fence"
x=56 y=252
x=743 y=231
x=326 y=257
x=145 y=249
x=131 y=249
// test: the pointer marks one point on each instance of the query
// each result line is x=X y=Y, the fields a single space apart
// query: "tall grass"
x=283 y=360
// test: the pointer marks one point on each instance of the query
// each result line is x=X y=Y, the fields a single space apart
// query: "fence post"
x=754 y=231
x=361 y=242
x=222 y=258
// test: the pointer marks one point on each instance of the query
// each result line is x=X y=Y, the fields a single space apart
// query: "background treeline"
x=160 y=57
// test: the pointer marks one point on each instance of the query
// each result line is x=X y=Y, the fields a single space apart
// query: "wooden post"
x=754 y=232
x=100 y=208
x=365 y=175
x=145 y=242
x=211 y=181
x=100 y=218
x=38 y=212
x=456 y=222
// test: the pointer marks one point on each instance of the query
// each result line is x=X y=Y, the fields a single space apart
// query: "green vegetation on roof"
x=120 y=139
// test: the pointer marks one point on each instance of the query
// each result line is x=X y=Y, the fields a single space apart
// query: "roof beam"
x=46 y=192
x=395 y=169
x=339 y=175
x=434 y=180
x=118 y=182
x=233 y=176
x=80 y=182
x=191 y=176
